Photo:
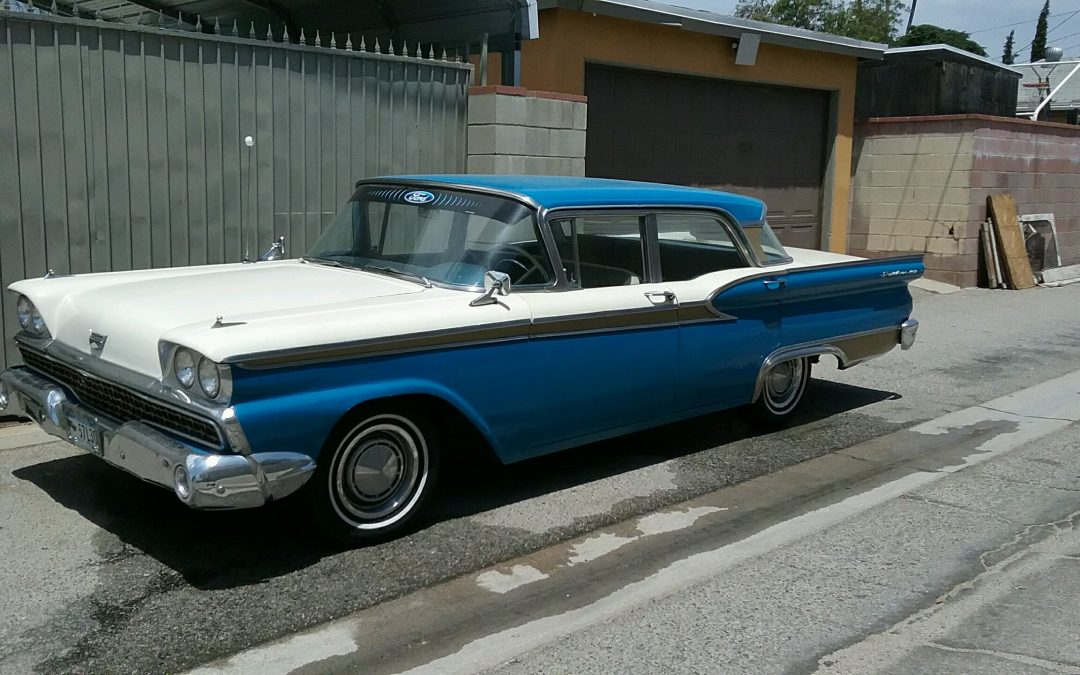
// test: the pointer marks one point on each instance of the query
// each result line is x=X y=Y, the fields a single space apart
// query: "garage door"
x=764 y=141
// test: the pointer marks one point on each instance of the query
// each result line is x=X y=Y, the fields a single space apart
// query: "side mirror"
x=276 y=250
x=494 y=283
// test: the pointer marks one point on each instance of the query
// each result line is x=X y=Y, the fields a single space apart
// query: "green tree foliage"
x=1038 y=45
x=1008 y=57
x=874 y=20
x=927 y=34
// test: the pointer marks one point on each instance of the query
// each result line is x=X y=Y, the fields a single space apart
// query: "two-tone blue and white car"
x=534 y=313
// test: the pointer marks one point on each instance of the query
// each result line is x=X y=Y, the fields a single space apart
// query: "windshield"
x=766 y=246
x=434 y=235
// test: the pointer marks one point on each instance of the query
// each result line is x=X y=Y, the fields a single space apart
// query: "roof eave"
x=722 y=26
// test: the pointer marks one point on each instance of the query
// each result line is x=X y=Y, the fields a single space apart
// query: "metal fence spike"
x=303 y=40
x=348 y=42
x=52 y=8
x=444 y=54
x=431 y=52
x=179 y=19
x=376 y=45
x=333 y=40
x=318 y=40
x=217 y=26
x=269 y=33
x=404 y=48
x=251 y=32
x=235 y=29
x=198 y=22
x=284 y=32
x=97 y=15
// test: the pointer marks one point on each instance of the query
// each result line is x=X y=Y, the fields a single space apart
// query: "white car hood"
x=135 y=309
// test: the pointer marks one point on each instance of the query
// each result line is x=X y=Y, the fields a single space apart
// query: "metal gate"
x=123 y=147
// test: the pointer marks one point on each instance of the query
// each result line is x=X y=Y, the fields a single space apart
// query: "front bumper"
x=200 y=479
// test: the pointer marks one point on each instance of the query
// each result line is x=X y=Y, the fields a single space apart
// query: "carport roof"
x=713 y=23
x=442 y=21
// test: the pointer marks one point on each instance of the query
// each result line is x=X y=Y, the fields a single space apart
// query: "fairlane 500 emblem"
x=419 y=197
x=898 y=273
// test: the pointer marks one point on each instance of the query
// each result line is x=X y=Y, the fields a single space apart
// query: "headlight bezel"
x=169 y=351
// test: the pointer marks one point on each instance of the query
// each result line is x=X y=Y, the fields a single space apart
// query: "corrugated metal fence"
x=124 y=147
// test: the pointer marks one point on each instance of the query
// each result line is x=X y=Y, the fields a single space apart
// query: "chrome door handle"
x=774 y=284
x=660 y=296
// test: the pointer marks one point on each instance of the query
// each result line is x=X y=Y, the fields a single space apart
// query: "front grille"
x=121 y=404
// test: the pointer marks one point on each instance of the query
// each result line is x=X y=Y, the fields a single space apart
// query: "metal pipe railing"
x=1045 y=101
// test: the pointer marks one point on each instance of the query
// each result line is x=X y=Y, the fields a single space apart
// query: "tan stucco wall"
x=568 y=39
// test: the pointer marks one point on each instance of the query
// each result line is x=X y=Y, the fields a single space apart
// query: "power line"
x=1056 y=26
x=1018 y=23
x=1062 y=22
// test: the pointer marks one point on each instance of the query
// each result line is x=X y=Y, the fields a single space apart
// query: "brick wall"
x=517 y=131
x=920 y=185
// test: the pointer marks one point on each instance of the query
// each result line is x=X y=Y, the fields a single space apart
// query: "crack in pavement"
x=1009 y=656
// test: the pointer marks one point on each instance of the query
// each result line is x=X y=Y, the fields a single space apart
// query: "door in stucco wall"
x=759 y=140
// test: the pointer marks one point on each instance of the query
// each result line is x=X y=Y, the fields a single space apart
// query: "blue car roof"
x=566 y=191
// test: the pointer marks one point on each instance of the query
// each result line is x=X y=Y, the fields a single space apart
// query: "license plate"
x=83 y=432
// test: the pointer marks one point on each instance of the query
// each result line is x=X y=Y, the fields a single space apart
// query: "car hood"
x=134 y=310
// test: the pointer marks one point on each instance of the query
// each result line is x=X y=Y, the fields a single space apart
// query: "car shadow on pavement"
x=226 y=549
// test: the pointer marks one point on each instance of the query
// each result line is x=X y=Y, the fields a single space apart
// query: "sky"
x=985 y=19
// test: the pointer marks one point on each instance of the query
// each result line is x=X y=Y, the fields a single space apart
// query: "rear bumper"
x=908 y=329
x=200 y=479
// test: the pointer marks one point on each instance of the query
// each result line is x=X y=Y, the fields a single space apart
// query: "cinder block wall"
x=920 y=185
x=516 y=131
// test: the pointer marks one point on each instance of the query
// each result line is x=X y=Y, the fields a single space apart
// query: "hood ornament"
x=97 y=343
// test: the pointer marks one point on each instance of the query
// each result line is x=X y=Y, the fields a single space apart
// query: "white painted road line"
x=1030 y=414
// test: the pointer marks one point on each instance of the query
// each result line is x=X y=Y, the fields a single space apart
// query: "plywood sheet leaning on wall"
x=1016 y=267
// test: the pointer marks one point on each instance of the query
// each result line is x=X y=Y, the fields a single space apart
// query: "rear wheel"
x=375 y=473
x=783 y=388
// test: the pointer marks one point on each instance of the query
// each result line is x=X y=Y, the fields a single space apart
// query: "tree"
x=874 y=20
x=927 y=34
x=1038 y=45
x=1007 y=57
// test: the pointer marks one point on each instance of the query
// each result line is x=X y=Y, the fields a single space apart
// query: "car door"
x=729 y=309
x=606 y=346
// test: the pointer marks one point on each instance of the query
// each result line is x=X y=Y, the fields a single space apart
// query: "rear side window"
x=692 y=244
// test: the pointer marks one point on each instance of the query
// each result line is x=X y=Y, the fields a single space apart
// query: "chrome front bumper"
x=908 y=329
x=200 y=479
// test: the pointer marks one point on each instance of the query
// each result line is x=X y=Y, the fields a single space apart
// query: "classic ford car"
x=534 y=314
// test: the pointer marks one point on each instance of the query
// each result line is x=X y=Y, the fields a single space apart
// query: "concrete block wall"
x=919 y=185
x=517 y=131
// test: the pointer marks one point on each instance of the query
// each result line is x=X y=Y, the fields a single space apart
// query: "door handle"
x=658 y=297
x=775 y=284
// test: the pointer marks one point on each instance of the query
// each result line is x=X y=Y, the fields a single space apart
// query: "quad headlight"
x=28 y=316
x=195 y=372
x=209 y=378
x=184 y=367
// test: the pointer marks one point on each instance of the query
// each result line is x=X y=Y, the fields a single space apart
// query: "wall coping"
x=991 y=119
x=528 y=93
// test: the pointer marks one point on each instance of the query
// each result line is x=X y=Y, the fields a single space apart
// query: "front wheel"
x=374 y=474
x=783 y=388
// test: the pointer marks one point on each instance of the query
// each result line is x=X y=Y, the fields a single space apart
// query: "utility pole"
x=911 y=15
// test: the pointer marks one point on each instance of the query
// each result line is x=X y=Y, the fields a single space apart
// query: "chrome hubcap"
x=784 y=383
x=380 y=472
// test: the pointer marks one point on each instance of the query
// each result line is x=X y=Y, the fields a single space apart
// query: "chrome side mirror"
x=276 y=250
x=494 y=283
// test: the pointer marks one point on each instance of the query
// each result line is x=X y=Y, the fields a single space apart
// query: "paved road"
x=105 y=574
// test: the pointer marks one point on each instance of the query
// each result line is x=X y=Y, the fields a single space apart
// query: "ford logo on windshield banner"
x=419 y=197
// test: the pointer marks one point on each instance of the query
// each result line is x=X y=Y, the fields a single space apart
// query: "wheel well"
x=457 y=433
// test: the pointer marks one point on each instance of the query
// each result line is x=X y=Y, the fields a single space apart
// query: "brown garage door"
x=764 y=141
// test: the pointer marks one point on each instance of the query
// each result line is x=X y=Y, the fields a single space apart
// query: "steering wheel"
x=535 y=265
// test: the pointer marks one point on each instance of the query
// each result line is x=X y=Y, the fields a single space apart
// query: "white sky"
x=982 y=18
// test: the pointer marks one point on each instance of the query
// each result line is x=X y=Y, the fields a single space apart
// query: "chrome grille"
x=120 y=403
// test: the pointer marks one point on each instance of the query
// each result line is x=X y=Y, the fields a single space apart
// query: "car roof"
x=553 y=192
